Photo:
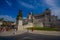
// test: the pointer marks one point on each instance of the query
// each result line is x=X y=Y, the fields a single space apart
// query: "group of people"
x=2 y=29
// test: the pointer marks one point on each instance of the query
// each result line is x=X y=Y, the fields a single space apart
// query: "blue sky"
x=9 y=8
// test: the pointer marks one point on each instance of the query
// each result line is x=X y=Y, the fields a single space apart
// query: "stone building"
x=44 y=19
x=19 y=21
x=23 y=23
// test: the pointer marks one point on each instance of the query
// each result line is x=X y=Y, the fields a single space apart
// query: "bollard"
x=32 y=29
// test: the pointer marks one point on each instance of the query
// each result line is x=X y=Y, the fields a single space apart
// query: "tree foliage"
x=1 y=19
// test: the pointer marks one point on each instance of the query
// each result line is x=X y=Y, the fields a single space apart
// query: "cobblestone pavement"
x=30 y=36
x=12 y=33
x=56 y=33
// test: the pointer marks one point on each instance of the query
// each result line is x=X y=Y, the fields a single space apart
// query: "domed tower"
x=48 y=12
x=47 y=17
x=30 y=19
x=19 y=21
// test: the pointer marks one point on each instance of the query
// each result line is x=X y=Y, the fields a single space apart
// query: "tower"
x=48 y=12
x=19 y=20
x=47 y=17
x=30 y=19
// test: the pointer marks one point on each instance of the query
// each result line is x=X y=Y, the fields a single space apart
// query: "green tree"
x=1 y=19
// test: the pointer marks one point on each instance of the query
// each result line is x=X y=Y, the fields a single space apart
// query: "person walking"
x=14 y=32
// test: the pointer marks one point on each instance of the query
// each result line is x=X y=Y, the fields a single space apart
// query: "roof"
x=47 y=11
x=39 y=15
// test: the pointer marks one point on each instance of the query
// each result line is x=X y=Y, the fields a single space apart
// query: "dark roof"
x=42 y=14
x=39 y=15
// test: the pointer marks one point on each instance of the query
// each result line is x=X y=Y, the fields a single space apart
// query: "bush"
x=43 y=28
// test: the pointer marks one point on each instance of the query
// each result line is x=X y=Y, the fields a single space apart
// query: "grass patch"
x=43 y=28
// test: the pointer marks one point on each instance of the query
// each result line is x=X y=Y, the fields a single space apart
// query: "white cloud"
x=33 y=4
x=24 y=17
x=50 y=2
x=26 y=4
x=56 y=11
x=7 y=18
x=54 y=8
x=10 y=4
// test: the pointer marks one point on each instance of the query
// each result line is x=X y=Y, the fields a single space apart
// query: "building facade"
x=44 y=19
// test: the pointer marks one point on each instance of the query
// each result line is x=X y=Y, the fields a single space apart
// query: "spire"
x=20 y=13
x=19 y=16
x=31 y=13
x=47 y=11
